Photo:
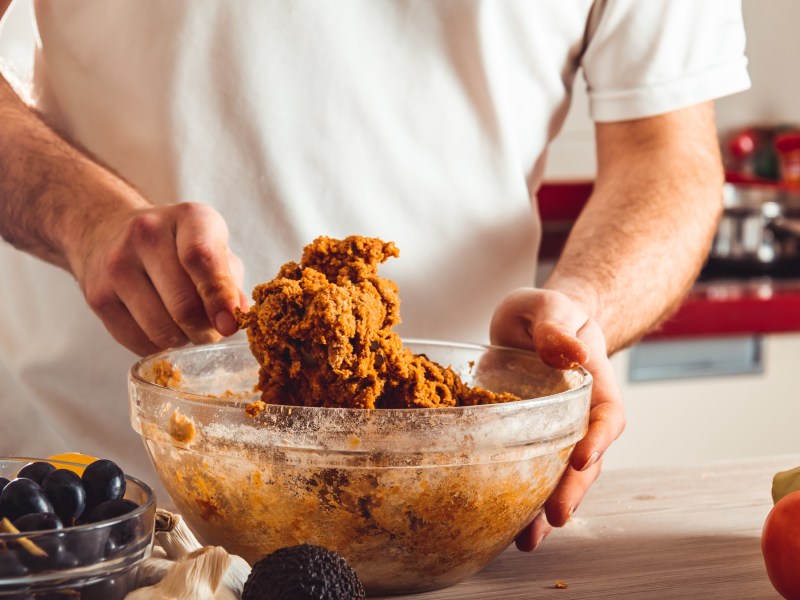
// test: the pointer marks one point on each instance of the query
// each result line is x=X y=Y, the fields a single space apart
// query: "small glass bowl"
x=414 y=499
x=99 y=561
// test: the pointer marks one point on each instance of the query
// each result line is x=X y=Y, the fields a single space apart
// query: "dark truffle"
x=304 y=572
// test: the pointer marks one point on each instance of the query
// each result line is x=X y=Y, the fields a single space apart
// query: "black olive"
x=103 y=480
x=36 y=471
x=65 y=491
x=22 y=496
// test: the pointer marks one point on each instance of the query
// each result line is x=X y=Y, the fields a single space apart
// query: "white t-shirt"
x=421 y=122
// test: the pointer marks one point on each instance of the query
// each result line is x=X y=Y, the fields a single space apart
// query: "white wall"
x=692 y=421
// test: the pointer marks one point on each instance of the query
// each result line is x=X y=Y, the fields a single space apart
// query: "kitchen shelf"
x=717 y=307
x=736 y=307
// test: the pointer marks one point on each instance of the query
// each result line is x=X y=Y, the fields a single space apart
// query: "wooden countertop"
x=655 y=534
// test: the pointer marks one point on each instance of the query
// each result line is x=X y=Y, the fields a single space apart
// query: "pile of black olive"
x=47 y=503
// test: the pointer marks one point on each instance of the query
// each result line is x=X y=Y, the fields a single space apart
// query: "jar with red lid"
x=787 y=146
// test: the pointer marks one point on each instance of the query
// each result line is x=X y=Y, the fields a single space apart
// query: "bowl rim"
x=138 y=512
x=202 y=400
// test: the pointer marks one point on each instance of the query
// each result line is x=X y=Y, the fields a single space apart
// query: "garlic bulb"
x=233 y=581
x=153 y=570
x=174 y=535
x=195 y=577
x=176 y=542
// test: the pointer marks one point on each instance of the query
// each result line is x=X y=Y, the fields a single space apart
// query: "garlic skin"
x=174 y=549
x=152 y=571
x=195 y=577
x=177 y=540
x=233 y=582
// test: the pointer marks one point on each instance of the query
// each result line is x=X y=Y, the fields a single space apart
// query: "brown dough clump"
x=321 y=332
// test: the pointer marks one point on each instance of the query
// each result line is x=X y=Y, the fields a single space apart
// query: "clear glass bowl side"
x=403 y=529
x=415 y=499
x=99 y=560
x=216 y=382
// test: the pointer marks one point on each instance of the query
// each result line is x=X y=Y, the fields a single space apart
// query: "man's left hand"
x=564 y=336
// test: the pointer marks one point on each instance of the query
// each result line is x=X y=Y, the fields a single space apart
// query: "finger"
x=607 y=412
x=545 y=321
x=119 y=323
x=237 y=270
x=606 y=423
x=569 y=493
x=529 y=538
x=144 y=304
x=177 y=291
x=125 y=281
x=558 y=344
x=145 y=272
x=202 y=246
x=512 y=321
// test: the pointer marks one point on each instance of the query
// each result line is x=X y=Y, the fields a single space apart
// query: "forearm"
x=644 y=234
x=50 y=190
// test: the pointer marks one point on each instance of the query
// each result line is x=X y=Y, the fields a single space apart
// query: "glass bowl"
x=414 y=499
x=96 y=561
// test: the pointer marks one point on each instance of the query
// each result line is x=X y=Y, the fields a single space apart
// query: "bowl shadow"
x=644 y=567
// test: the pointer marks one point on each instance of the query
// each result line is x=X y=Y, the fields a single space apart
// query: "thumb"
x=546 y=320
x=559 y=346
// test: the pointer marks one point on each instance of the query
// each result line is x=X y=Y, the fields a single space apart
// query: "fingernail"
x=592 y=459
x=225 y=323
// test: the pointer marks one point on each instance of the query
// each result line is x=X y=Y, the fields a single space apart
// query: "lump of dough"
x=321 y=332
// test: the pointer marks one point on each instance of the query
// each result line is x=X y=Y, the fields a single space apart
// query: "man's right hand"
x=160 y=277
x=157 y=276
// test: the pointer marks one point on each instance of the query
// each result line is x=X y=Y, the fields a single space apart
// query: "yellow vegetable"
x=784 y=483
x=73 y=457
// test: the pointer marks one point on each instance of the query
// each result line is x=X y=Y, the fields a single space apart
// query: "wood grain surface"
x=662 y=533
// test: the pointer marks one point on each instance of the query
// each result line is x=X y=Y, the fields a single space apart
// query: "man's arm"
x=633 y=253
x=156 y=276
x=643 y=236
x=49 y=191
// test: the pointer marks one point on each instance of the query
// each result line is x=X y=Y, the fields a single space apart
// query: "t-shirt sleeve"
x=648 y=57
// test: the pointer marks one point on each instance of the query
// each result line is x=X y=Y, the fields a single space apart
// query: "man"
x=423 y=123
